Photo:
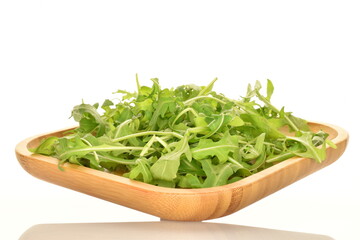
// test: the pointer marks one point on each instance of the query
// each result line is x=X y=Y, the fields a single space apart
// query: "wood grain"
x=177 y=204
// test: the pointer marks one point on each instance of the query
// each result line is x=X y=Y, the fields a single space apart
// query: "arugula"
x=219 y=149
x=187 y=137
x=166 y=167
x=216 y=175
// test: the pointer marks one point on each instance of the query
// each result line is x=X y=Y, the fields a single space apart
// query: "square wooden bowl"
x=177 y=204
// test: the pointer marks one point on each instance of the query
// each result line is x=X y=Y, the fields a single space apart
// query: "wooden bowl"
x=177 y=204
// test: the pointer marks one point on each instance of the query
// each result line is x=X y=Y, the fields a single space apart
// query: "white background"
x=53 y=54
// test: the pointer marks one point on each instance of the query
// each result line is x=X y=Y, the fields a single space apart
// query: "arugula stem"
x=214 y=147
x=138 y=84
x=243 y=107
x=163 y=143
x=230 y=159
x=95 y=154
x=147 y=146
x=98 y=148
x=117 y=160
x=147 y=133
x=281 y=157
x=217 y=127
x=195 y=130
x=242 y=142
x=189 y=101
x=117 y=132
x=208 y=88
x=189 y=109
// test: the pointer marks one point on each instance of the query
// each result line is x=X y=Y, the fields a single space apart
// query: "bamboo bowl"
x=177 y=204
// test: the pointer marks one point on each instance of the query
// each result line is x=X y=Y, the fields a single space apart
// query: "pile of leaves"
x=187 y=137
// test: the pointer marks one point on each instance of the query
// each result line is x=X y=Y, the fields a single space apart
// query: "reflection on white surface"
x=159 y=231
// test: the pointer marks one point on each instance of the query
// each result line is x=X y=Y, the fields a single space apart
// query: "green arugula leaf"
x=269 y=89
x=166 y=167
x=263 y=125
x=306 y=139
x=216 y=175
x=126 y=95
x=236 y=121
x=193 y=167
x=206 y=90
x=107 y=103
x=84 y=111
x=220 y=149
x=141 y=171
x=87 y=124
x=190 y=181
x=46 y=146
x=166 y=103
